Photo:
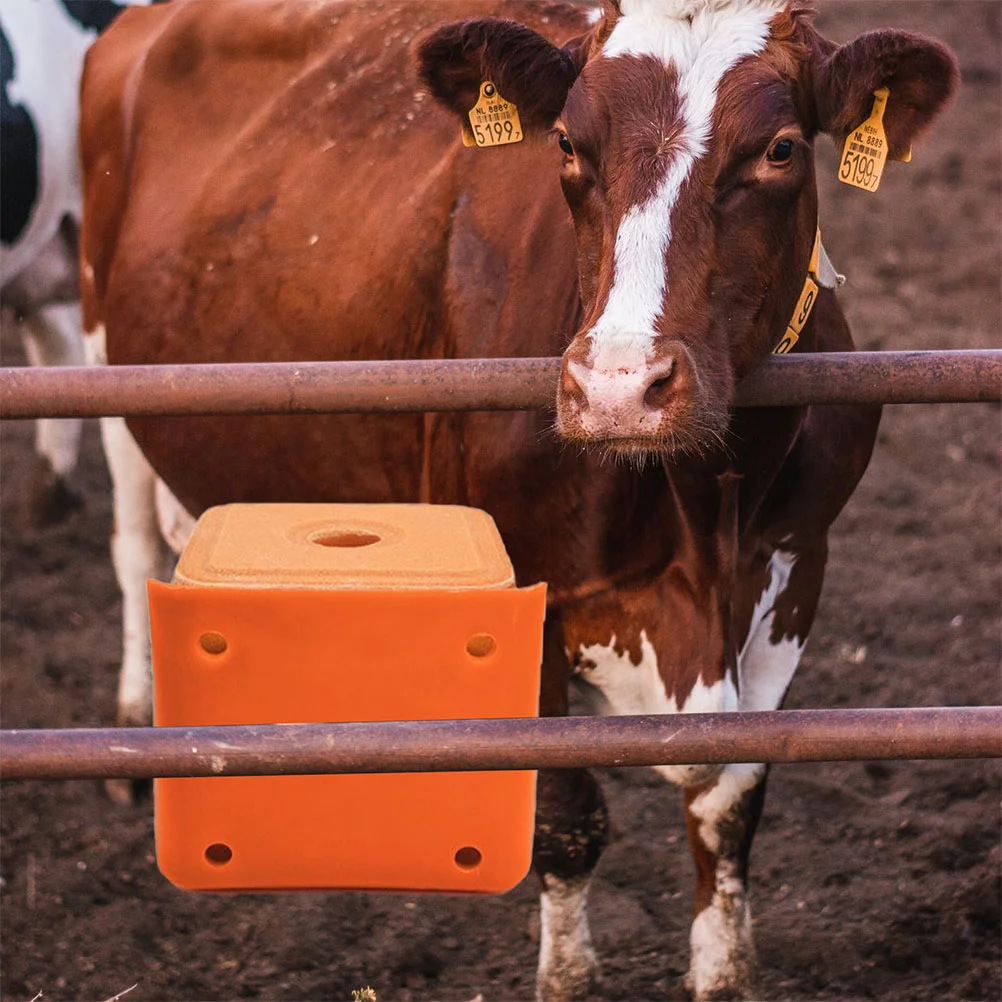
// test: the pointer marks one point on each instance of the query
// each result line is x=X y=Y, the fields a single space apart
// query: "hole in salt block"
x=219 y=854
x=212 y=642
x=347 y=538
x=468 y=858
x=480 y=645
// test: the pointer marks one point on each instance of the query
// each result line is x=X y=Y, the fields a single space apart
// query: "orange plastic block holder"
x=308 y=613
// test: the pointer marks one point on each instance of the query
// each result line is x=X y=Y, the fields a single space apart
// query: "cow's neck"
x=687 y=517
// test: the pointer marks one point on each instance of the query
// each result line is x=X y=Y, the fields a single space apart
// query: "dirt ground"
x=876 y=880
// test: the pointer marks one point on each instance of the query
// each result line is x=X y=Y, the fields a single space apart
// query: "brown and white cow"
x=273 y=181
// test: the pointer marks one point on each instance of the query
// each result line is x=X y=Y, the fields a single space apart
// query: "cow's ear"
x=920 y=72
x=530 y=72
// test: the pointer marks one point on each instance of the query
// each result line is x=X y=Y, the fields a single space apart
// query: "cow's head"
x=686 y=132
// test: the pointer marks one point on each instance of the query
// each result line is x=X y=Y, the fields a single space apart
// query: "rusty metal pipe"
x=467 y=384
x=463 y=745
x=871 y=377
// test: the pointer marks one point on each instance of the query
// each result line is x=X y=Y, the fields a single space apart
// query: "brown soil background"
x=876 y=880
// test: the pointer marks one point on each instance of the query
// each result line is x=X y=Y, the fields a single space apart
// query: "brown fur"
x=272 y=181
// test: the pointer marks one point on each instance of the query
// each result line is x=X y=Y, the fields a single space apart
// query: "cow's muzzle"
x=647 y=402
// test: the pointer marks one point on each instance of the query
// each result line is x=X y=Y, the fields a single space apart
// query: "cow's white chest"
x=765 y=668
x=635 y=689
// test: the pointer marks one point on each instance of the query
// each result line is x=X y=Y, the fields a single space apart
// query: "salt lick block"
x=324 y=613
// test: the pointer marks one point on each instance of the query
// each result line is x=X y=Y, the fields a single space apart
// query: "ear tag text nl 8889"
x=865 y=150
x=493 y=120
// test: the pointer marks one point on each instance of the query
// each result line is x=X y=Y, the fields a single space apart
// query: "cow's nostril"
x=572 y=386
x=659 y=391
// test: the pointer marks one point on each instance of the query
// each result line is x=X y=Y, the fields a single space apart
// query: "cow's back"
x=268 y=181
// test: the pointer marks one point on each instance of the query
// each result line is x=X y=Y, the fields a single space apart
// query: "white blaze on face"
x=700 y=40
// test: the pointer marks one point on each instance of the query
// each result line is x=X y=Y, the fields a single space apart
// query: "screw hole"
x=212 y=643
x=219 y=854
x=345 y=538
x=480 y=645
x=468 y=858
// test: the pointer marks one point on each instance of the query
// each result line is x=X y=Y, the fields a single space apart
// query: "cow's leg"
x=571 y=831
x=141 y=506
x=721 y=819
x=138 y=553
x=150 y=527
x=722 y=816
x=175 y=522
x=52 y=336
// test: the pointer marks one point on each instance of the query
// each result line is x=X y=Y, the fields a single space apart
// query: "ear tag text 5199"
x=865 y=150
x=493 y=120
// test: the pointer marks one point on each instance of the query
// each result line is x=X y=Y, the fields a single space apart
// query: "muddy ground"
x=876 y=880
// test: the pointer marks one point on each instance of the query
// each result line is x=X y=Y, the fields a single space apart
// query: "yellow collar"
x=808 y=296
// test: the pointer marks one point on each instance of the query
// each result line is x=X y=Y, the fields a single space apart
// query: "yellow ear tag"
x=493 y=120
x=865 y=150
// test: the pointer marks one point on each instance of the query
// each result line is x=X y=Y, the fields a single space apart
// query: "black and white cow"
x=42 y=46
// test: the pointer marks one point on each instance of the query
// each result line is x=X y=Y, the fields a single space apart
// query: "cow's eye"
x=565 y=144
x=780 y=151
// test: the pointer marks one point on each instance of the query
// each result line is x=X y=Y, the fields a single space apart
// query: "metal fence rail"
x=894 y=377
x=521 y=743
x=458 y=745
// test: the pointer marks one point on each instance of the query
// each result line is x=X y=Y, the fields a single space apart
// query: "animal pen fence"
x=495 y=744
